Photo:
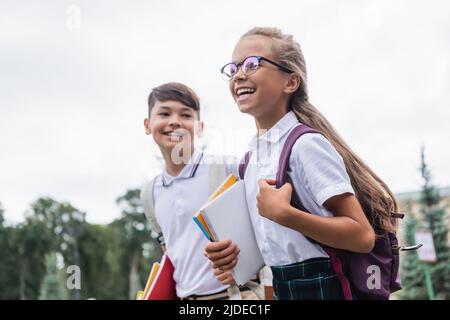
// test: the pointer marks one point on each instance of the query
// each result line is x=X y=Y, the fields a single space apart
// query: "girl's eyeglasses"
x=249 y=66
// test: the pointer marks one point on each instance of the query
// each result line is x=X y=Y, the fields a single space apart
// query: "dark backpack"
x=359 y=269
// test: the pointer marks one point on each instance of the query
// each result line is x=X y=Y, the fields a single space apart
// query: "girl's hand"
x=273 y=203
x=223 y=254
x=225 y=277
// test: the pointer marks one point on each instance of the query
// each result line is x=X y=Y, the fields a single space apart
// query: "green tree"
x=67 y=224
x=2 y=219
x=434 y=219
x=114 y=259
x=412 y=277
x=53 y=286
x=136 y=240
x=5 y=261
x=29 y=242
x=101 y=254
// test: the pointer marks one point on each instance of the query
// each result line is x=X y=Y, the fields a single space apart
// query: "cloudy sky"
x=75 y=75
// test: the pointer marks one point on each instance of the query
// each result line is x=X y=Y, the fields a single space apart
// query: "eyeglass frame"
x=259 y=58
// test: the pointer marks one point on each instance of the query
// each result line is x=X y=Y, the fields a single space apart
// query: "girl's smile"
x=243 y=93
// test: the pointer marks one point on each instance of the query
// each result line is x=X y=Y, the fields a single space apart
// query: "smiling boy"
x=183 y=187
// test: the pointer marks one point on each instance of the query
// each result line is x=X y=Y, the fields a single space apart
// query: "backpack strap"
x=282 y=178
x=217 y=173
x=148 y=202
x=283 y=163
x=243 y=164
x=397 y=215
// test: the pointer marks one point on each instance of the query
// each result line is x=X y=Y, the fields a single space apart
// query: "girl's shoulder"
x=314 y=151
x=313 y=144
x=317 y=165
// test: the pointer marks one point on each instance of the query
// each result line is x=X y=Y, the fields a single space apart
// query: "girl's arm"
x=349 y=229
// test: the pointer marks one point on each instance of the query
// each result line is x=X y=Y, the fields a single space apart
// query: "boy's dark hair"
x=174 y=91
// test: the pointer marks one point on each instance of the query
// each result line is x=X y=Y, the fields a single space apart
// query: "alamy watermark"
x=73 y=19
x=374 y=280
x=74 y=280
x=224 y=142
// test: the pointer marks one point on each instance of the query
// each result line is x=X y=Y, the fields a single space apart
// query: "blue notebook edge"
x=201 y=228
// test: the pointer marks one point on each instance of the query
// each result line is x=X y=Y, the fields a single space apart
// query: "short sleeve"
x=316 y=164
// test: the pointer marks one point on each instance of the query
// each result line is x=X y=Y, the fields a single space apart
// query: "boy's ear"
x=147 y=126
x=199 y=125
x=292 y=83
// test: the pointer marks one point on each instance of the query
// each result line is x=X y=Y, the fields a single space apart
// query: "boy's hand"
x=273 y=203
x=224 y=276
x=223 y=254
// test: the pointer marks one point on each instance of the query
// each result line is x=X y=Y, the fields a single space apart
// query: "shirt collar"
x=187 y=172
x=274 y=134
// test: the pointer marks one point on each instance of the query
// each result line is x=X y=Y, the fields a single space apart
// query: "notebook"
x=160 y=284
x=226 y=216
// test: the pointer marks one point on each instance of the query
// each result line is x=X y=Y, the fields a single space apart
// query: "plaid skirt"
x=313 y=279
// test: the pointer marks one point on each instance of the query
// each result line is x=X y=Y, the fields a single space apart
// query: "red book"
x=162 y=285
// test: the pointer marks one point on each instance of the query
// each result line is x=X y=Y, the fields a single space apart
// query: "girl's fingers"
x=230 y=265
x=226 y=278
x=217 y=272
x=212 y=247
x=222 y=277
x=262 y=183
x=222 y=262
x=215 y=256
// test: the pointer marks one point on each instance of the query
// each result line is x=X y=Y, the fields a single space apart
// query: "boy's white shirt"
x=176 y=200
x=317 y=172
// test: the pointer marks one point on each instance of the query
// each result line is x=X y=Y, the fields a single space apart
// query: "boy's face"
x=172 y=123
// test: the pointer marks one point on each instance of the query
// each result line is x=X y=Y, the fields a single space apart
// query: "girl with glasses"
x=267 y=79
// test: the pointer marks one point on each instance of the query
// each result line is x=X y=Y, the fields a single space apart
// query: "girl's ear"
x=147 y=126
x=292 y=83
x=199 y=125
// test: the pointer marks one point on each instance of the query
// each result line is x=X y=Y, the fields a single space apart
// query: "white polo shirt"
x=317 y=172
x=176 y=201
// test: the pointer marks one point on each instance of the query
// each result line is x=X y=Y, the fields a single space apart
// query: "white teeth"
x=242 y=91
x=175 y=134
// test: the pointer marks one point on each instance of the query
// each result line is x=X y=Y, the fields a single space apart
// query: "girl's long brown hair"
x=374 y=195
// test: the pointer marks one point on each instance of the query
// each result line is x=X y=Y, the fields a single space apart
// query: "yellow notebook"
x=140 y=295
x=151 y=277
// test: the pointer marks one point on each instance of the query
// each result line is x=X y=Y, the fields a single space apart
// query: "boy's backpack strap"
x=217 y=173
x=148 y=202
x=243 y=164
